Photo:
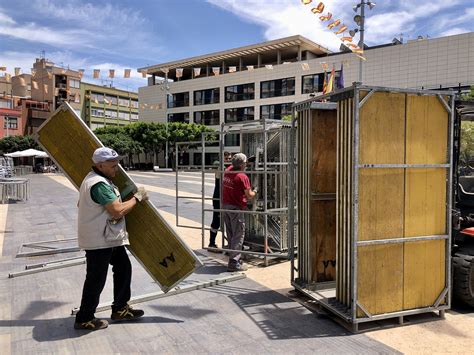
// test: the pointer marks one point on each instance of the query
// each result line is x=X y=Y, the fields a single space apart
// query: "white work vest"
x=93 y=217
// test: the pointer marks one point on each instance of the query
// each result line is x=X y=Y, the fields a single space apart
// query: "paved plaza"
x=250 y=315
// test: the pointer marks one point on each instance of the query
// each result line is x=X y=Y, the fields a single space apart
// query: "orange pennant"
x=341 y=29
x=306 y=2
x=326 y=18
x=318 y=9
x=346 y=39
x=334 y=24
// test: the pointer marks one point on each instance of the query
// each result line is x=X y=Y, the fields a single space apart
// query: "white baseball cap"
x=104 y=154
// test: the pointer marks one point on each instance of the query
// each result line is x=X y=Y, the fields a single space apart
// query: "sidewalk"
x=244 y=316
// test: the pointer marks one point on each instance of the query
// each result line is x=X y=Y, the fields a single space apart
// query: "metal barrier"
x=14 y=189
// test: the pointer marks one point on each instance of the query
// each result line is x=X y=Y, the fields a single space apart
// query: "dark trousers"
x=97 y=266
x=216 y=216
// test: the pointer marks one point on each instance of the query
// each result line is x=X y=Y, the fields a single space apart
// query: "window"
x=239 y=114
x=208 y=118
x=232 y=139
x=206 y=97
x=73 y=83
x=124 y=115
x=134 y=116
x=134 y=104
x=100 y=98
x=178 y=100
x=124 y=101
x=275 y=112
x=97 y=112
x=5 y=104
x=178 y=117
x=110 y=113
x=209 y=158
x=240 y=92
x=279 y=87
x=10 y=122
x=315 y=82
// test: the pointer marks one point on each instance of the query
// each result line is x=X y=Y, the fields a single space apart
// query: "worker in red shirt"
x=236 y=192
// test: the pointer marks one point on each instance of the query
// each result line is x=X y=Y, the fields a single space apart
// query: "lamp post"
x=167 y=91
x=360 y=20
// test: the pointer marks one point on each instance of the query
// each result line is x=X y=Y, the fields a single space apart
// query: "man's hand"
x=141 y=194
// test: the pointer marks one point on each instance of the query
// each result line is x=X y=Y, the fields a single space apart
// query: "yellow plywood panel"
x=153 y=242
x=381 y=203
x=425 y=214
x=380 y=278
x=427 y=130
x=382 y=129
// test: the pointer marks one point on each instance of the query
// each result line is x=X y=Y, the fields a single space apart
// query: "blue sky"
x=134 y=33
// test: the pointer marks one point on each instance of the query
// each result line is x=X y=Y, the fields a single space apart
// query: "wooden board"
x=153 y=241
x=323 y=181
x=425 y=201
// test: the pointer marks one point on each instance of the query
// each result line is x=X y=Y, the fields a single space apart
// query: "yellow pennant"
x=306 y=2
x=334 y=24
x=318 y=9
x=326 y=18
x=341 y=29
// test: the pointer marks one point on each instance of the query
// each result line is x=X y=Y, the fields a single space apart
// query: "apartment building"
x=263 y=80
x=105 y=106
x=21 y=85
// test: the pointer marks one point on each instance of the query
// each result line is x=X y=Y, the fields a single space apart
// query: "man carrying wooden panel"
x=102 y=234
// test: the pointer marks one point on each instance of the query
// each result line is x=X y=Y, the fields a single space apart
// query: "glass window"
x=124 y=101
x=208 y=118
x=239 y=114
x=5 y=104
x=179 y=117
x=240 y=92
x=279 y=87
x=134 y=116
x=232 y=139
x=134 y=103
x=275 y=112
x=73 y=83
x=206 y=97
x=178 y=100
x=97 y=112
x=110 y=113
x=10 y=122
x=124 y=115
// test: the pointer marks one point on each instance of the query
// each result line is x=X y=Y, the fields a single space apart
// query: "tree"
x=151 y=135
x=14 y=143
x=469 y=95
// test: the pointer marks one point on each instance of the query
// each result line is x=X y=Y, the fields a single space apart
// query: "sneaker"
x=127 y=313
x=94 y=324
x=236 y=267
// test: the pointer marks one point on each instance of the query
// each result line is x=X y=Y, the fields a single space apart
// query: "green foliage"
x=14 y=143
x=469 y=95
x=287 y=118
x=467 y=143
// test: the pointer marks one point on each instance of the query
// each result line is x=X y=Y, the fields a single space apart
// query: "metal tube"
x=177 y=184
x=448 y=243
x=402 y=240
x=203 y=148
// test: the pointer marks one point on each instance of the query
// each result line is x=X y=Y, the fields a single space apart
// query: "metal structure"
x=342 y=295
x=266 y=231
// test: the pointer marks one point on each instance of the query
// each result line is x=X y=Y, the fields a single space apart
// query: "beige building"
x=55 y=85
x=5 y=85
x=263 y=80
x=21 y=85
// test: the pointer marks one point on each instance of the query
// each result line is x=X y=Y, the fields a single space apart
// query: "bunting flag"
x=326 y=18
x=81 y=73
x=77 y=98
x=318 y=9
x=111 y=73
x=346 y=39
x=45 y=88
x=96 y=100
x=341 y=30
x=306 y=2
x=197 y=71
x=63 y=71
x=35 y=85
x=50 y=74
x=232 y=69
x=179 y=72
x=17 y=71
x=126 y=73
x=250 y=67
x=56 y=92
x=268 y=66
x=22 y=82
x=340 y=80
x=334 y=24
x=216 y=70
x=106 y=101
x=3 y=68
x=325 y=83
x=33 y=72
x=305 y=66
x=96 y=73
x=330 y=86
x=143 y=73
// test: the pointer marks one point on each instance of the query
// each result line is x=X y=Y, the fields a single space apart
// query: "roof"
x=253 y=49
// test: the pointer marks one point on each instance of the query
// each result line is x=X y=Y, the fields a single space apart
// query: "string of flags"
x=333 y=25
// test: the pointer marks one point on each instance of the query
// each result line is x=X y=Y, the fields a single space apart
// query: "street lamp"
x=165 y=86
x=360 y=21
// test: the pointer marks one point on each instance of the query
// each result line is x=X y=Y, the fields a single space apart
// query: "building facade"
x=264 y=80
x=107 y=106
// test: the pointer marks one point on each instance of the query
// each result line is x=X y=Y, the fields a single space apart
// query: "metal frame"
x=45 y=249
x=175 y=291
x=263 y=127
x=350 y=315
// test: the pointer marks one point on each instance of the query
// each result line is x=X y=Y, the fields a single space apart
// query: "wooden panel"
x=425 y=206
x=382 y=129
x=323 y=180
x=153 y=242
x=380 y=281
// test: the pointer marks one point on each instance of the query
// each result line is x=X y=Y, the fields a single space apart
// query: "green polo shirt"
x=103 y=193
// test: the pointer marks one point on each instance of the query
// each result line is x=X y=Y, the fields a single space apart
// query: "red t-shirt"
x=234 y=189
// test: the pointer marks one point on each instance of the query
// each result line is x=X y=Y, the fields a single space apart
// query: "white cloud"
x=454 y=31
x=281 y=18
